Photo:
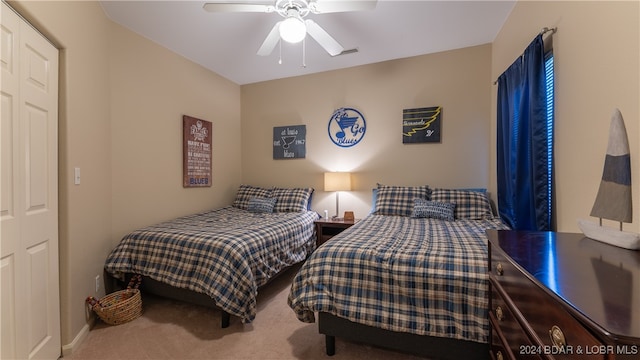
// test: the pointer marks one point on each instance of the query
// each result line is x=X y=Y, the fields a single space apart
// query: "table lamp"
x=337 y=181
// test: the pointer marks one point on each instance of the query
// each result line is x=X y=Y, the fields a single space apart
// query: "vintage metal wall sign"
x=347 y=127
x=196 y=152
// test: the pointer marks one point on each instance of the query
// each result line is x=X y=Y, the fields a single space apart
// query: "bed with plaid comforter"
x=416 y=275
x=226 y=253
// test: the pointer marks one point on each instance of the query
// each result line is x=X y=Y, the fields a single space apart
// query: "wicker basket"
x=121 y=306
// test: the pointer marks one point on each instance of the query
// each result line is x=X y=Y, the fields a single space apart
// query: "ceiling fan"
x=294 y=27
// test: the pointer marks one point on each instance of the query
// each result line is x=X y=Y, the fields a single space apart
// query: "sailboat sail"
x=613 y=201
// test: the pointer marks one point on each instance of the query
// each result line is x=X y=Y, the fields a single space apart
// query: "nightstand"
x=326 y=229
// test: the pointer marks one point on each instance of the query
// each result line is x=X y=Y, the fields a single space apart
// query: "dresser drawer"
x=503 y=343
x=505 y=325
x=540 y=316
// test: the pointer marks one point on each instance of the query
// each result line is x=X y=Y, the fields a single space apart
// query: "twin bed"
x=411 y=276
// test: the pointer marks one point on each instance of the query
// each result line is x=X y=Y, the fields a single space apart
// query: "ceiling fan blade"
x=271 y=41
x=323 y=38
x=348 y=51
x=238 y=7
x=329 y=6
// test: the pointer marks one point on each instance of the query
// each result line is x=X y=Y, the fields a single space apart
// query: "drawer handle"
x=499 y=313
x=499 y=269
x=499 y=355
x=557 y=337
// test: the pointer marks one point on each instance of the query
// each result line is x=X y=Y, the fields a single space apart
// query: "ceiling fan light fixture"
x=293 y=29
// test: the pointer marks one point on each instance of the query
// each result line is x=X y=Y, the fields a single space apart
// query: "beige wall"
x=121 y=104
x=458 y=80
x=597 y=67
x=151 y=89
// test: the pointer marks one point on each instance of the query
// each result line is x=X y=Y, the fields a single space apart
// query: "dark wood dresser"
x=562 y=296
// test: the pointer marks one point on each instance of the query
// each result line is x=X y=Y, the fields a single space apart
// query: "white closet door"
x=30 y=294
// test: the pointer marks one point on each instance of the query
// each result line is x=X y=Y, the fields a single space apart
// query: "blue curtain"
x=523 y=171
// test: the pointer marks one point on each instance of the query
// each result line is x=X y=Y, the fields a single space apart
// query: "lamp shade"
x=337 y=181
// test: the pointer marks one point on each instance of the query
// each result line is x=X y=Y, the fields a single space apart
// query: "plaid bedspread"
x=403 y=274
x=225 y=253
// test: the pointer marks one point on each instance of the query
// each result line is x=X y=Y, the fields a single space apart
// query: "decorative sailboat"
x=613 y=201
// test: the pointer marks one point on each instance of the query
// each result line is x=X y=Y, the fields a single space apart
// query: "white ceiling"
x=226 y=43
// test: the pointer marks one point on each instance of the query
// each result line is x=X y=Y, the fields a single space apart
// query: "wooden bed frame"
x=422 y=345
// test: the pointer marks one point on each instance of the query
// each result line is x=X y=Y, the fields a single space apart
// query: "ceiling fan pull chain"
x=304 y=53
x=280 y=59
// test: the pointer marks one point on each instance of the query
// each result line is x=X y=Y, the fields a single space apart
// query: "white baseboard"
x=84 y=332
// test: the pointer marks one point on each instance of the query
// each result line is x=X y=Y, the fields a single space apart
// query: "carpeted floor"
x=171 y=329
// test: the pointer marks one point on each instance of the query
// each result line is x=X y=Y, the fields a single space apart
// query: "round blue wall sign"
x=346 y=127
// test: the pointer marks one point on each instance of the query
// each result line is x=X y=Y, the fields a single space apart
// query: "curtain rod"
x=546 y=30
x=542 y=32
